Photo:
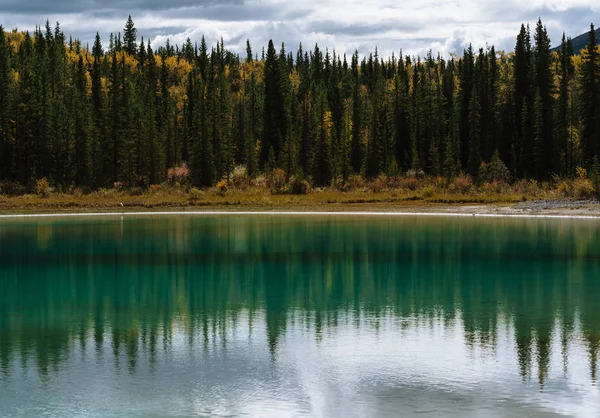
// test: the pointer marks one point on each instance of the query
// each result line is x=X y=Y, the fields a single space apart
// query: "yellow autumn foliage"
x=15 y=39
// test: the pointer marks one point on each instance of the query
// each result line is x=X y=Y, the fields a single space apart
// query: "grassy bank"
x=277 y=192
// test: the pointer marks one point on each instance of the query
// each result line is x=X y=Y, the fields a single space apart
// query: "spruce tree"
x=546 y=151
x=467 y=83
x=130 y=37
x=6 y=137
x=523 y=99
x=563 y=119
x=590 y=100
x=474 y=161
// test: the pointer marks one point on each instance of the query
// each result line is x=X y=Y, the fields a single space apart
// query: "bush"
x=428 y=192
x=196 y=194
x=10 y=188
x=297 y=186
x=462 y=184
x=415 y=173
x=440 y=182
x=42 y=187
x=393 y=181
x=222 y=187
x=240 y=178
x=579 y=188
x=495 y=186
x=495 y=171
x=76 y=191
x=276 y=181
x=355 y=182
x=527 y=187
x=409 y=183
x=154 y=189
x=379 y=184
x=259 y=182
x=178 y=174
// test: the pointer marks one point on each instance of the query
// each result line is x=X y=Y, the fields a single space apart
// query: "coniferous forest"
x=123 y=112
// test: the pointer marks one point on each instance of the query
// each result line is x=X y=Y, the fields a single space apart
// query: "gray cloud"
x=40 y=7
x=415 y=26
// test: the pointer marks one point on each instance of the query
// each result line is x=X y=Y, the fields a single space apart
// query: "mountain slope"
x=580 y=42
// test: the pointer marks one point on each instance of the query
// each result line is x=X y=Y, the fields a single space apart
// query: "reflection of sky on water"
x=401 y=367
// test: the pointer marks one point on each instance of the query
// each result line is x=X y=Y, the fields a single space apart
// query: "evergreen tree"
x=130 y=37
x=523 y=98
x=474 y=135
x=275 y=110
x=563 y=119
x=322 y=164
x=590 y=100
x=546 y=151
x=6 y=136
x=99 y=145
x=467 y=83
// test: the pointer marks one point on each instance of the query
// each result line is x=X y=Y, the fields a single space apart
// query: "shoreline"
x=363 y=214
x=534 y=210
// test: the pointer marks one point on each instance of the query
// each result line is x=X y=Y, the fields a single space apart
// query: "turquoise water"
x=327 y=316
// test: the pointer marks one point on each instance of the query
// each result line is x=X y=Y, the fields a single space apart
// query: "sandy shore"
x=541 y=208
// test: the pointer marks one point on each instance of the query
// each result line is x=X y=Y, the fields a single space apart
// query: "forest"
x=125 y=114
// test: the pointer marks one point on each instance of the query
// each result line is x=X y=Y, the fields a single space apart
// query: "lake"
x=291 y=315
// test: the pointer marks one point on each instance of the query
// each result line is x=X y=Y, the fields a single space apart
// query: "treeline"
x=126 y=113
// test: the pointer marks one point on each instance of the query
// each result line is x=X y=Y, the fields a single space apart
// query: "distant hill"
x=580 y=42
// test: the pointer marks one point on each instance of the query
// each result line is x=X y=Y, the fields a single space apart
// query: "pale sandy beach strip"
x=304 y=213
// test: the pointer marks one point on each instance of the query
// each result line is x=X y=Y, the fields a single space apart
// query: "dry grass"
x=274 y=193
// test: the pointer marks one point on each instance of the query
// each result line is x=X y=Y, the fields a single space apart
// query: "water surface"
x=325 y=316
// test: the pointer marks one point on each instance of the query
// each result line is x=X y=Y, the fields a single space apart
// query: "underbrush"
x=278 y=189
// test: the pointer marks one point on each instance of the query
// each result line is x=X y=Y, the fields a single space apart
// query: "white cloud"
x=414 y=26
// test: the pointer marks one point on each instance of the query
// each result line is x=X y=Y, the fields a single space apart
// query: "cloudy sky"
x=414 y=26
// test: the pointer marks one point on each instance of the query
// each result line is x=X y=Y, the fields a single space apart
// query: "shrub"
x=415 y=173
x=196 y=194
x=409 y=183
x=580 y=188
x=355 y=182
x=76 y=191
x=393 y=181
x=527 y=187
x=428 y=192
x=462 y=184
x=565 y=188
x=42 y=187
x=276 y=181
x=178 y=174
x=259 y=182
x=595 y=175
x=496 y=186
x=10 y=188
x=297 y=186
x=494 y=171
x=440 y=182
x=154 y=189
x=583 y=189
x=222 y=187
x=240 y=178
x=379 y=184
